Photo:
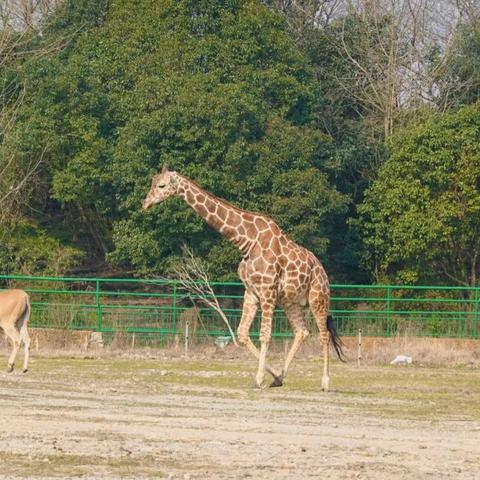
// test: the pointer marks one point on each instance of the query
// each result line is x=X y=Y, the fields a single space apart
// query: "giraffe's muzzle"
x=146 y=204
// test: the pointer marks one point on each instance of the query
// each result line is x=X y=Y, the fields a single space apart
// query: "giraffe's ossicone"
x=274 y=269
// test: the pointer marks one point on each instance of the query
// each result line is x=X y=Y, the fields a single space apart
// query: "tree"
x=377 y=63
x=419 y=220
x=304 y=16
x=216 y=89
x=27 y=15
x=460 y=83
x=25 y=246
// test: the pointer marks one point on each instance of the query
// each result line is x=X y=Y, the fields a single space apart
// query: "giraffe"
x=274 y=269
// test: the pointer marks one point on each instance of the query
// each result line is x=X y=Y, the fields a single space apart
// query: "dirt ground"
x=177 y=418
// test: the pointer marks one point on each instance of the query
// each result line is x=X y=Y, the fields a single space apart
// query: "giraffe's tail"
x=336 y=340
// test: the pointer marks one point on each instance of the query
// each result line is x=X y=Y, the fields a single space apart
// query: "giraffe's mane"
x=225 y=202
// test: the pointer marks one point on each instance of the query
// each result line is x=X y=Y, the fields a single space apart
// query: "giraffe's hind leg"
x=295 y=316
x=319 y=304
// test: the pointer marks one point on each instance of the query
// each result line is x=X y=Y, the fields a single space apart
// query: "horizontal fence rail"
x=160 y=308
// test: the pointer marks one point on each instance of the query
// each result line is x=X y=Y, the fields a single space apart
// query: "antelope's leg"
x=14 y=336
x=26 y=341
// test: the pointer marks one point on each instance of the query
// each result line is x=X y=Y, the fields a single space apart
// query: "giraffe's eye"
x=162 y=185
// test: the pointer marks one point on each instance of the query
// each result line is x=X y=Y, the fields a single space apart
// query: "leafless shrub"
x=194 y=281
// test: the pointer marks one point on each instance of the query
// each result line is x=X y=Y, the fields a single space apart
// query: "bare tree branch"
x=18 y=18
x=194 y=280
x=26 y=15
x=31 y=169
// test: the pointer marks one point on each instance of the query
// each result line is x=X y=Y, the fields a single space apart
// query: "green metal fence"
x=159 y=308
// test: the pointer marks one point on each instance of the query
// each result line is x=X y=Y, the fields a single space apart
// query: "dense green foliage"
x=462 y=73
x=271 y=119
x=426 y=202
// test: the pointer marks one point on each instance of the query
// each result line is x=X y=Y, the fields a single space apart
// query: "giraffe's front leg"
x=250 y=306
x=268 y=308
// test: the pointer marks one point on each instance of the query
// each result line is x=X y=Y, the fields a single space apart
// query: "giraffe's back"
x=275 y=261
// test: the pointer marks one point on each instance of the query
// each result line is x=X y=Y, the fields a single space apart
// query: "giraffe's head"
x=164 y=185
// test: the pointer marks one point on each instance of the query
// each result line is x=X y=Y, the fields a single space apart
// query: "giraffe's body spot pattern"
x=274 y=269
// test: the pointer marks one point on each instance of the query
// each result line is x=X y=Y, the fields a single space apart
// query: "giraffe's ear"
x=165 y=168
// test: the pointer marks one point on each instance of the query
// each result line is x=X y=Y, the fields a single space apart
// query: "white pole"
x=359 y=357
x=186 y=338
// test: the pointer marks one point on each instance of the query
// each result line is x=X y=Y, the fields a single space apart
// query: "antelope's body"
x=14 y=315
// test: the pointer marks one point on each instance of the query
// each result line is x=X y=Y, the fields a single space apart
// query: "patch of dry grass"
x=65 y=465
x=375 y=350
x=424 y=351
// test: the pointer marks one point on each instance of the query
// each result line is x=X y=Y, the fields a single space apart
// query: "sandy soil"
x=112 y=418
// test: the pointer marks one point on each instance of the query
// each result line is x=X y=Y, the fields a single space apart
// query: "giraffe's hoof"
x=10 y=368
x=259 y=385
x=277 y=382
x=325 y=383
x=25 y=370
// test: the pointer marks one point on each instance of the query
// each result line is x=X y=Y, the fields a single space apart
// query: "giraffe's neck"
x=219 y=214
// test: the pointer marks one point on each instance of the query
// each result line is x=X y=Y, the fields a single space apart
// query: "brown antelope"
x=14 y=315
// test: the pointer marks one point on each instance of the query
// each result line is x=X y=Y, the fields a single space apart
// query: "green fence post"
x=475 y=313
x=99 y=306
x=174 y=305
x=388 y=310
